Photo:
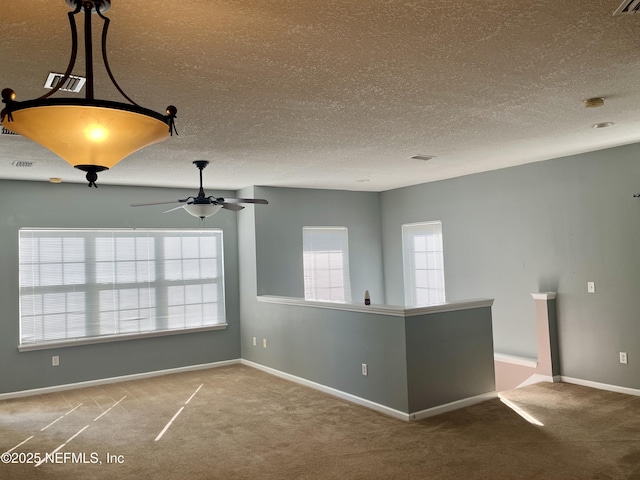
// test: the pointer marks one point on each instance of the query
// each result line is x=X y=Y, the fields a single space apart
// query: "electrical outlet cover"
x=623 y=358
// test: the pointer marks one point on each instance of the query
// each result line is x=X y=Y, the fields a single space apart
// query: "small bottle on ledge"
x=367 y=298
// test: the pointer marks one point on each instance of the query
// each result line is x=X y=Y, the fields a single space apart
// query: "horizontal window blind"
x=78 y=284
x=326 y=264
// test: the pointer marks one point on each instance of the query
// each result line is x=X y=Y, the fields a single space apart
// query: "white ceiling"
x=340 y=93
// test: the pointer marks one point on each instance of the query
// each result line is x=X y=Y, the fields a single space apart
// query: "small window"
x=326 y=264
x=94 y=284
x=423 y=264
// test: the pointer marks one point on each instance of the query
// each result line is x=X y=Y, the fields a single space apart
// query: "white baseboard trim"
x=331 y=391
x=448 y=407
x=123 y=378
x=601 y=386
x=368 y=403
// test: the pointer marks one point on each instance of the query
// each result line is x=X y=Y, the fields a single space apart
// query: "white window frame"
x=77 y=286
x=325 y=263
x=423 y=262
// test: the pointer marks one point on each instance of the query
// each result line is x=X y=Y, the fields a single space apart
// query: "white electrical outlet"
x=55 y=361
x=254 y=341
x=623 y=357
x=591 y=287
x=365 y=369
x=264 y=343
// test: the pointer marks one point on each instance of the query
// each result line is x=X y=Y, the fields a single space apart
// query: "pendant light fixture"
x=92 y=135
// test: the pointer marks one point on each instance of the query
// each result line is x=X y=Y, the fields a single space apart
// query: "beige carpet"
x=243 y=423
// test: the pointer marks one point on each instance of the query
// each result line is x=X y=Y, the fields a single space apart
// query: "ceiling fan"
x=203 y=206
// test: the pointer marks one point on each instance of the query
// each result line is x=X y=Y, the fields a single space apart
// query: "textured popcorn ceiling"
x=341 y=93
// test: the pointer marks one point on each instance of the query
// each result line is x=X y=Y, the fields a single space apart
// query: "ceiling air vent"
x=628 y=6
x=425 y=158
x=4 y=131
x=22 y=164
x=73 y=83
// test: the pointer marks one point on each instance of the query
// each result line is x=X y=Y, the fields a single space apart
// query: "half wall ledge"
x=390 y=310
x=416 y=362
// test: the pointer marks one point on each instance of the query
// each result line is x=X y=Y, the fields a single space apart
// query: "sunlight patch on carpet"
x=527 y=416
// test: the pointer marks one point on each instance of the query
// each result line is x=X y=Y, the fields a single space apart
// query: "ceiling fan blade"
x=261 y=201
x=174 y=208
x=231 y=206
x=159 y=203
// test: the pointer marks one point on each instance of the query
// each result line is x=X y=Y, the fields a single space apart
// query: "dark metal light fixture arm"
x=89 y=7
x=74 y=52
x=105 y=29
x=98 y=133
x=88 y=48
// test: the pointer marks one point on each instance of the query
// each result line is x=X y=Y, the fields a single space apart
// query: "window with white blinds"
x=326 y=264
x=95 y=284
x=423 y=264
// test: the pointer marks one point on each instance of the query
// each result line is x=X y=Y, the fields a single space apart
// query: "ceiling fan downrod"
x=201 y=164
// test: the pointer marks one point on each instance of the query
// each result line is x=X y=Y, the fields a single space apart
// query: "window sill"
x=116 y=338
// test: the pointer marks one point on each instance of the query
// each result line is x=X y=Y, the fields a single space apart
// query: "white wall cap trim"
x=390 y=310
x=544 y=295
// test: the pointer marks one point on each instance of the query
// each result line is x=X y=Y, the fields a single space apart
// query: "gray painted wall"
x=278 y=229
x=41 y=204
x=329 y=347
x=449 y=357
x=548 y=226
x=323 y=346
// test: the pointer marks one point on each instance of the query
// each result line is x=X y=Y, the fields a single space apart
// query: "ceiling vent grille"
x=22 y=164
x=627 y=7
x=425 y=158
x=73 y=83
x=4 y=131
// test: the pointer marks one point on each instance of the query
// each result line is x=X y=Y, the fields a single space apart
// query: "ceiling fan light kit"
x=202 y=210
x=92 y=135
x=202 y=206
